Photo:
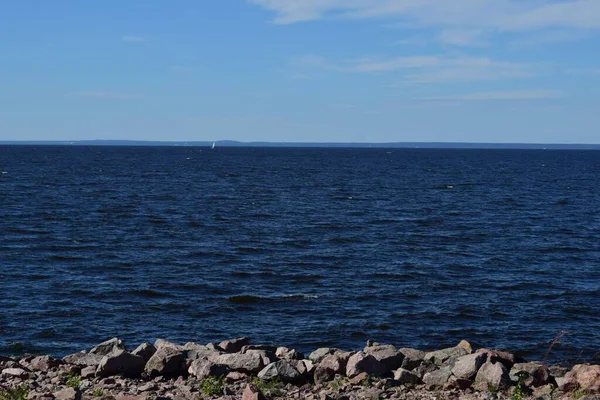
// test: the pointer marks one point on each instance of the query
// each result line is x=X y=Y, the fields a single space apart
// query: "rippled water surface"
x=302 y=247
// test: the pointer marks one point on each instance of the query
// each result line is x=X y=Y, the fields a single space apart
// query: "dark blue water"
x=300 y=247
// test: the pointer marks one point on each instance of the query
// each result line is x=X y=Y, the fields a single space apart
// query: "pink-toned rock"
x=44 y=363
x=328 y=367
x=68 y=394
x=506 y=358
x=234 y=345
x=17 y=372
x=494 y=375
x=251 y=392
x=361 y=362
x=582 y=376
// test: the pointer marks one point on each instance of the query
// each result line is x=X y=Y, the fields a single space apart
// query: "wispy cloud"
x=428 y=69
x=507 y=15
x=502 y=95
x=462 y=37
x=584 y=71
x=108 y=95
x=129 y=38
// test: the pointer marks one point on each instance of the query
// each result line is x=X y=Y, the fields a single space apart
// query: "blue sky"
x=301 y=70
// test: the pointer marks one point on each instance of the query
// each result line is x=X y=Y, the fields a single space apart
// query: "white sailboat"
x=213 y=145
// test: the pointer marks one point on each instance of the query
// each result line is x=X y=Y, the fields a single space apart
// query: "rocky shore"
x=237 y=369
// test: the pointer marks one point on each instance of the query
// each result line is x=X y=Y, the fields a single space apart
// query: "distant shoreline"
x=354 y=145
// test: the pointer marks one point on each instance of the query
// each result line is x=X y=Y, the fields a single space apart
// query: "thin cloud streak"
x=505 y=95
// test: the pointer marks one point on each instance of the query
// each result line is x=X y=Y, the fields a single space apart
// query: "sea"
x=302 y=247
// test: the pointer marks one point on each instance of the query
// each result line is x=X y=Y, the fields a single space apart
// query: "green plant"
x=519 y=391
x=338 y=383
x=579 y=393
x=18 y=393
x=212 y=385
x=73 y=381
x=98 y=393
x=271 y=387
x=491 y=387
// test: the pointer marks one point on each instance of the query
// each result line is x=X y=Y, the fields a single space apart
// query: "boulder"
x=440 y=357
x=328 y=367
x=535 y=373
x=251 y=392
x=582 y=376
x=43 y=363
x=166 y=362
x=466 y=367
x=387 y=355
x=83 y=359
x=266 y=356
x=235 y=376
x=438 y=378
x=305 y=367
x=88 y=372
x=506 y=358
x=282 y=370
x=202 y=368
x=288 y=354
x=493 y=375
x=145 y=350
x=319 y=354
x=248 y=363
x=424 y=368
x=121 y=363
x=162 y=343
x=234 y=345
x=403 y=377
x=361 y=362
x=109 y=346
x=412 y=358
x=16 y=372
x=68 y=394
x=266 y=347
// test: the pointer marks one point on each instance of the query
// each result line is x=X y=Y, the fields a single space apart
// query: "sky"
x=519 y=71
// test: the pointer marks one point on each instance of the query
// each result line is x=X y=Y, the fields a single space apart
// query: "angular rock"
x=145 y=350
x=582 y=376
x=403 y=377
x=506 y=358
x=536 y=373
x=492 y=375
x=282 y=370
x=43 y=363
x=465 y=345
x=389 y=357
x=234 y=345
x=319 y=354
x=88 y=372
x=251 y=392
x=162 y=343
x=202 y=368
x=266 y=356
x=424 y=368
x=166 y=362
x=266 y=347
x=121 y=363
x=109 y=346
x=412 y=358
x=438 y=378
x=328 y=367
x=361 y=362
x=305 y=367
x=288 y=354
x=16 y=372
x=235 y=376
x=439 y=357
x=83 y=359
x=457 y=383
x=466 y=367
x=248 y=363
x=68 y=394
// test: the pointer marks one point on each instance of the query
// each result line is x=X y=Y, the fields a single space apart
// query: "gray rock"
x=305 y=367
x=328 y=367
x=266 y=356
x=145 y=350
x=265 y=347
x=43 y=363
x=162 y=343
x=466 y=367
x=424 y=368
x=148 y=386
x=361 y=362
x=121 y=363
x=249 y=363
x=88 y=372
x=203 y=368
x=582 y=376
x=506 y=358
x=166 y=361
x=412 y=358
x=403 y=377
x=83 y=359
x=282 y=370
x=439 y=357
x=68 y=394
x=319 y=354
x=16 y=372
x=533 y=373
x=109 y=346
x=288 y=354
x=492 y=375
x=437 y=378
x=389 y=357
x=234 y=345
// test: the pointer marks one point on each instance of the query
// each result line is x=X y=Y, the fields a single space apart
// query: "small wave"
x=249 y=299
x=247 y=250
x=149 y=293
x=246 y=299
x=243 y=274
